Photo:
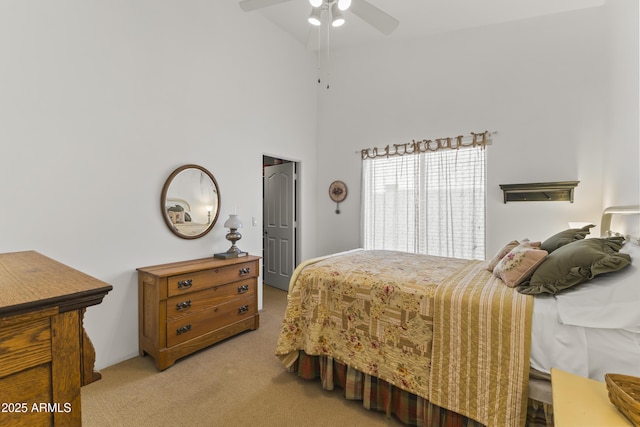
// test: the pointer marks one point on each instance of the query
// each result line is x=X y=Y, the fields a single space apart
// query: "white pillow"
x=632 y=249
x=609 y=301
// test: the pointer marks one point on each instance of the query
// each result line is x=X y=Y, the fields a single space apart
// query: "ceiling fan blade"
x=249 y=5
x=375 y=17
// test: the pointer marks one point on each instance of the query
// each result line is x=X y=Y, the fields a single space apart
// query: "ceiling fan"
x=375 y=17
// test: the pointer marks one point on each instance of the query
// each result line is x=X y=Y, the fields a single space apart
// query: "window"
x=432 y=202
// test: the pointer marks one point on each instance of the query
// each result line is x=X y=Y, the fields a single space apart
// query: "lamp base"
x=228 y=255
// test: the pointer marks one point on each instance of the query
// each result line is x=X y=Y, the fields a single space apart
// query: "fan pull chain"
x=328 y=55
x=318 y=59
x=326 y=17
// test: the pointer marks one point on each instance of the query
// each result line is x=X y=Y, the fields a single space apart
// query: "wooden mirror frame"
x=163 y=203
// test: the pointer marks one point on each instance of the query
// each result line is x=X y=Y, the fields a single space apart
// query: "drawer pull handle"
x=185 y=284
x=243 y=309
x=183 y=305
x=244 y=271
x=183 y=329
x=242 y=289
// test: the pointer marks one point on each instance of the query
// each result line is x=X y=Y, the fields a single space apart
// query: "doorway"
x=279 y=242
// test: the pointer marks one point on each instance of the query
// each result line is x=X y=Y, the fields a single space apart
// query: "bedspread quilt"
x=375 y=311
x=372 y=310
x=481 y=348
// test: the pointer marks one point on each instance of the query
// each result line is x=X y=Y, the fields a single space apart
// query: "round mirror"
x=190 y=201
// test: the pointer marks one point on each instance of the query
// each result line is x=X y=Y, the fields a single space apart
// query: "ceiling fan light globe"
x=337 y=19
x=315 y=18
x=344 y=4
x=315 y=3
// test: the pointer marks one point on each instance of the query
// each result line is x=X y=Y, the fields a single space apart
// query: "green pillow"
x=565 y=237
x=575 y=263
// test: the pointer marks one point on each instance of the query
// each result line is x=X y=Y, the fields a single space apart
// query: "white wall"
x=622 y=141
x=101 y=101
x=543 y=84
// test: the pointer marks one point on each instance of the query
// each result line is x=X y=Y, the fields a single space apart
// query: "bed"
x=443 y=341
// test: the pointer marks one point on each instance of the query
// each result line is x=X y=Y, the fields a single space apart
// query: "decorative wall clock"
x=338 y=192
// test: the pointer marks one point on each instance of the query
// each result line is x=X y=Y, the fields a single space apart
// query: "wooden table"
x=45 y=353
x=582 y=402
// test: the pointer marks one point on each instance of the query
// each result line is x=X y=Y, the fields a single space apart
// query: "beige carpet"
x=236 y=382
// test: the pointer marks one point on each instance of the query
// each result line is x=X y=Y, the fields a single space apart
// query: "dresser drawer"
x=203 y=321
x=23 y=345
x=203 y=279
x=183 y=305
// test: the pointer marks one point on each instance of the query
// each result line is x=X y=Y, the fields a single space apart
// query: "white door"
x=279 y=224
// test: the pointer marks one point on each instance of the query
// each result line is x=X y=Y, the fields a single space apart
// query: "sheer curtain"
x=431 y=202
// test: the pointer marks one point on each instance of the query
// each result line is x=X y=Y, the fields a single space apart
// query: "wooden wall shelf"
x=540 y=191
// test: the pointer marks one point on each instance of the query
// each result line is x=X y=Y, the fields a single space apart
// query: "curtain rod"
x=414 y=147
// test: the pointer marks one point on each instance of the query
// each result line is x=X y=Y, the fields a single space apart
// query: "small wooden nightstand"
x=582 y=402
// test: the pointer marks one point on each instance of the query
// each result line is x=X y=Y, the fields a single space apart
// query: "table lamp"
x=233 y=223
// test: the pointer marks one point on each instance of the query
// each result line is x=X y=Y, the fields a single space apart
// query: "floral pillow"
x=500 y=254
x=491 y=264
x=176 y=214
x=519 y=264
x=176 y=217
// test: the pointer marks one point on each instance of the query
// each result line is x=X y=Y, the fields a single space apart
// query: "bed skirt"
x=379 y=395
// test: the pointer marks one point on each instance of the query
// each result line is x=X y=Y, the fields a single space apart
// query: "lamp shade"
x=233 y=222
x=315 y=3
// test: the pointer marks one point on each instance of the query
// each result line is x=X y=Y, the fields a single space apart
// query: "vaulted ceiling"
x=417 y=17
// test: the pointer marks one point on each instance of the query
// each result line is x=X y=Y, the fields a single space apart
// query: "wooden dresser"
x=45 y=353
x=186 y=306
